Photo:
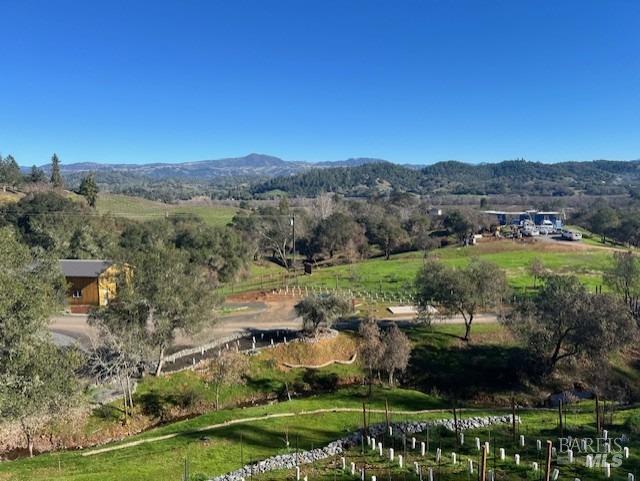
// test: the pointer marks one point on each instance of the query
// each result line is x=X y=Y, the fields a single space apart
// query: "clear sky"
x=408 y=81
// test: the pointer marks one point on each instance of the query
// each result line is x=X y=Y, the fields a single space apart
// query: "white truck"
x=571 y=235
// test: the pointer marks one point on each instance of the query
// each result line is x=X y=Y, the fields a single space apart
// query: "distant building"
x=90 y=283
x=549 y=219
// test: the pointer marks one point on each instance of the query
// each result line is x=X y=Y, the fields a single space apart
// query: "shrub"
x=633 y=423
x=188 y=396
x=154 y=404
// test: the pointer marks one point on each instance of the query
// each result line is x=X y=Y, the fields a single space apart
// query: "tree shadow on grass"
x=264 y=384
x=273 y=436
x=465 y=372
x=158 y=404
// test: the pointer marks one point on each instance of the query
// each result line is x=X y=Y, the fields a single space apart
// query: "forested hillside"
x=599 y=177
x=261 y=176
x=349 y=180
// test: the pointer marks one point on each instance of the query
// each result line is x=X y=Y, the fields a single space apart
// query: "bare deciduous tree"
x=624 y=279
x=371 y=348
x=227 y=368
x=324 y=205
x=537 y=270
x=119 y=351
x=397 y=350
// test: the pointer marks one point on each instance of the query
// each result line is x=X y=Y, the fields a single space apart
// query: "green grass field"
x=218 y=450
x=143 y=209
x=397 y=274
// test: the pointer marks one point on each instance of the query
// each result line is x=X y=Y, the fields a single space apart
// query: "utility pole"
x=293 y=235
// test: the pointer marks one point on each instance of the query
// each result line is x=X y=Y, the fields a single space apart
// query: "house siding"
x=88 y=288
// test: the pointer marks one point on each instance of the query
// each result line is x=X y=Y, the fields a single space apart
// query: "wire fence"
x=298 y=284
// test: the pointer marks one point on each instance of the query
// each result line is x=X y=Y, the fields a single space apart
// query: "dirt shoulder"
x=247 y=312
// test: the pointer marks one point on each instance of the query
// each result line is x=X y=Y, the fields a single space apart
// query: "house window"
x=77 y=294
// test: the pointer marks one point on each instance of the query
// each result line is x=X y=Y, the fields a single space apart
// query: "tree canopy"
x=563 y=320
x=624 y=279
x=170 y=292
x=10 y=172
x=320 y=310
x=463 y=291
x=89 y=189
x=37 y=378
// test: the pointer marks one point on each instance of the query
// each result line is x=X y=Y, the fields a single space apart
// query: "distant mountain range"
x=258 y=175
x=247 y=167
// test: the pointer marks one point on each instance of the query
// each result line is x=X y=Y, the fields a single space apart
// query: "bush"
x=188 y=396
x=633 y=423
x=107 y=412
x=154 y=404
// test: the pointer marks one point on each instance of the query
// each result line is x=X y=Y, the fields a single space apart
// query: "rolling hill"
x=600 y=177
x=248 y=166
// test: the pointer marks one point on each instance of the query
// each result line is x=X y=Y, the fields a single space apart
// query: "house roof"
x=532 y=212
x=83 y=268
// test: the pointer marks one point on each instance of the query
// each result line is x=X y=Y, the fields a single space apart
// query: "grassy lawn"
x=143 y=209
x=397 y=274
x=218 y=450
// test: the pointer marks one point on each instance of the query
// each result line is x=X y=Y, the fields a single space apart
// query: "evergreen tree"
x=89 y=189
x=37 y=175
x=81 y=245
x=56 y=176
x=10 y=171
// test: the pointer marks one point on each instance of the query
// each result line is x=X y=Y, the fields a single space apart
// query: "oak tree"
x=320 y=311
x=563 y=320
x=464 y=291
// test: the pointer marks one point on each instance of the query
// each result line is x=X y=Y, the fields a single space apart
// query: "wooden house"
x=90 y=283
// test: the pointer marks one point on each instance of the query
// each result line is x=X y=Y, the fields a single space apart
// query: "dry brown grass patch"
x=339 y=348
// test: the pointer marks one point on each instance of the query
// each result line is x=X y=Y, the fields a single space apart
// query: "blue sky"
x=408 y=81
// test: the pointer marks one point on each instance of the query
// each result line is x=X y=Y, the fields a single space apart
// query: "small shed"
x=90 y=283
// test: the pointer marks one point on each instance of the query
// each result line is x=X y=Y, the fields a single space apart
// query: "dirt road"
x=252 y=311
x=241 y=315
